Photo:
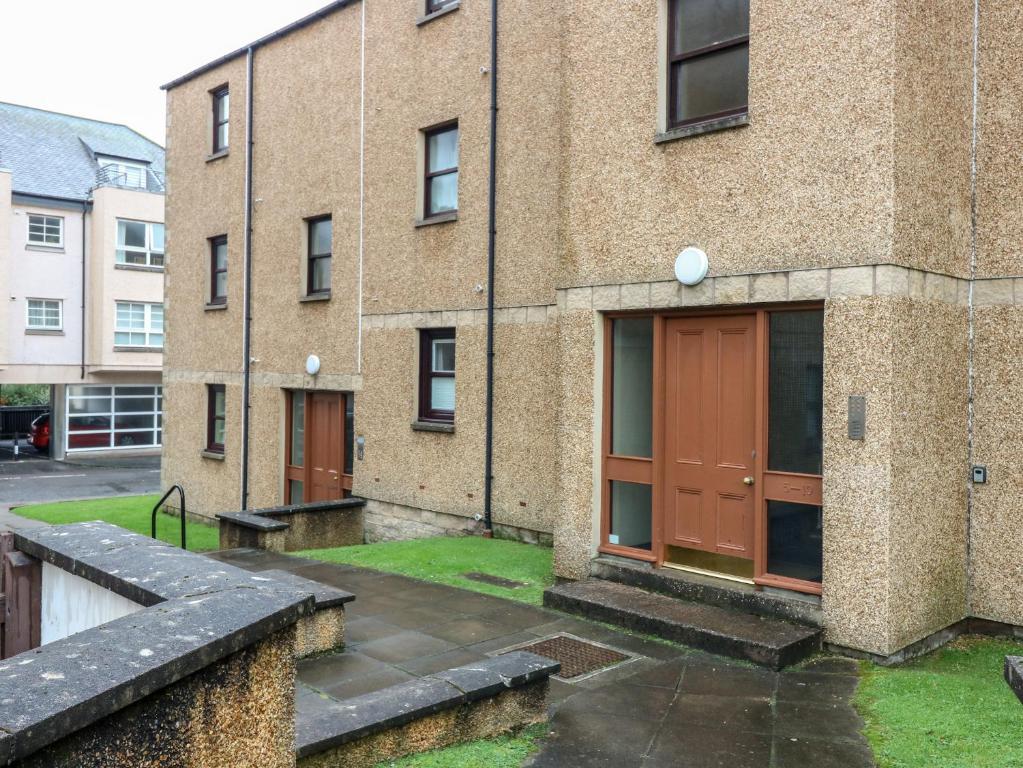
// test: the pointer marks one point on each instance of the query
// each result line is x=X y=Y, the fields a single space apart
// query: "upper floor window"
x=44 y=315
x=46 y=230
x=123 y=173
x=437 y=374
x=140 y=243
x=440 y=188
x=218 y=270
x=139 y=325
x=221 y=113
x=320 y=236
x=708 y=60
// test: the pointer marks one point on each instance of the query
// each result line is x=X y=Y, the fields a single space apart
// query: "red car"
x=39 y=433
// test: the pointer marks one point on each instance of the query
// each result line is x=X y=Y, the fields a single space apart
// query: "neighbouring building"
x=81 y=270
x=805 y=419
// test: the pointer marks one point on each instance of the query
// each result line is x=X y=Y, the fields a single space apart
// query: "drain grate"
x=577 y=657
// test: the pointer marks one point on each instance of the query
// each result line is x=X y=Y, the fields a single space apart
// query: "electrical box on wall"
x=979 y=474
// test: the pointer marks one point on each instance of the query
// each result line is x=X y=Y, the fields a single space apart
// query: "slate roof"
x=54 y=155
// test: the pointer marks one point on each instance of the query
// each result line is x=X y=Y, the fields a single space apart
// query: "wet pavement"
x=40 y=480
x=666 y=706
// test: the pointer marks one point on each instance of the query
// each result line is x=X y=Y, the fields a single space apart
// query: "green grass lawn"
x=950 y=708
x=444 y=560
x=502 y=752
x=131 y=512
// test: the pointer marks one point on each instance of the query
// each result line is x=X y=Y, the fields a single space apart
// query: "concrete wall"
x=71 y=604
x=6 y=245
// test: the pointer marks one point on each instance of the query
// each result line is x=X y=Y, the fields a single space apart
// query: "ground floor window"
x=713 y=443
x=114 y=417
x=319 y=444
x=216 y=417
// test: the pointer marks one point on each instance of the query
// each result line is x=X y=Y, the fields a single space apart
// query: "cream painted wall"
x=5 y=247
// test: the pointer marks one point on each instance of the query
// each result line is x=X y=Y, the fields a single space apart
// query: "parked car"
x=39 y=433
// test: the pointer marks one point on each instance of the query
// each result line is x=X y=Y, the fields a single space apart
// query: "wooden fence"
x=20 y=599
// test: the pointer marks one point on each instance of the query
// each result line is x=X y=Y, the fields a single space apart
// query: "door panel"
x=709 y=438
x=324 y=453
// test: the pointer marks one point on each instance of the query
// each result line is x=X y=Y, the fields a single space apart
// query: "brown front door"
x=710 y=434
x=325 y=456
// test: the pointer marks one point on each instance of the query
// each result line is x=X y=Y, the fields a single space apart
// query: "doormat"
x=495 y=581
x=578 y=658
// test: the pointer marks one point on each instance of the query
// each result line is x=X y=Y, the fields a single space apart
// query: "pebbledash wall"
x=857 y=181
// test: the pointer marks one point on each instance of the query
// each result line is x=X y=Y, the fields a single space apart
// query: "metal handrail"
x=181 y=493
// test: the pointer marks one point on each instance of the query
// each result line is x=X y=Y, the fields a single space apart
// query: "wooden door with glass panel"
x=318 y=465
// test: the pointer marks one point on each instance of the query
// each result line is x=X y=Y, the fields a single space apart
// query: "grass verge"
x=446 y=560
x=131 y=512
x=503 y=752
x=950 y=708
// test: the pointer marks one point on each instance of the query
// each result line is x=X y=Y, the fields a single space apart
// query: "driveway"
x=32 y=478
x=666 y=707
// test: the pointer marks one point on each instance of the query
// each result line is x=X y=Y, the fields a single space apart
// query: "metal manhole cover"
x=577 y=657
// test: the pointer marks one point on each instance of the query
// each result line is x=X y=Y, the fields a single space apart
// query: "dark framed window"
x=432 y=6
x=221 y=114
x=215 y=417
x=708 y=60
x=437 y=374
x=218 y=270
x=320 y=237
x=440 y=187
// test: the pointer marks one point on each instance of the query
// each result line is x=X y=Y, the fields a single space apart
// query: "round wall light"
x=691 y=266
x=312 y=365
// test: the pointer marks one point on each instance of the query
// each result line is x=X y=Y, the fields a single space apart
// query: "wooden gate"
x=20 y=599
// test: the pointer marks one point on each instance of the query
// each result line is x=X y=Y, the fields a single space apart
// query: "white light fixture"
x=691 y=266
x=312 y=365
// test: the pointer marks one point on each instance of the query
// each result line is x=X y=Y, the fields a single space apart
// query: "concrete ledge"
x=464 y=703
x=1014 y=675
x=337 y=523
x=325 y=629
x=256 y=522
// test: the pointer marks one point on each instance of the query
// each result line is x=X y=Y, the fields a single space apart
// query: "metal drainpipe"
x=488 y=478
x=247 y=269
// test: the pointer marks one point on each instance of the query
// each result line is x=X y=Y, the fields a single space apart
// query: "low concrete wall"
x=386 y=521
x=71 y=604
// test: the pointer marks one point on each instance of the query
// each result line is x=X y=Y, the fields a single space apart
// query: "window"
x=123 y=173
x=215 y=418
x=221 y=113
x=708 y=60
x=320 y=236
x=139 y=243
x=46 y=230
x=437 y=375
x=218 y=270
x=114 y=417
x=432 y=6
x=139 y=325
x=44 y=315
x=440 y=189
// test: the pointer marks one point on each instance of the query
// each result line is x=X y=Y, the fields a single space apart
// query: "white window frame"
x=29 y=325
x=147 y=250
x=147 y=329
x=45 y=225
x=123 y=167
x=90 y=394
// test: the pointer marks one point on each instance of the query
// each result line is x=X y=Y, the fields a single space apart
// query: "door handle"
x=748 y=480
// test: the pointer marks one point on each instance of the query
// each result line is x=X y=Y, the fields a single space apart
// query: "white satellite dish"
x=312 y=365
x=691 y=266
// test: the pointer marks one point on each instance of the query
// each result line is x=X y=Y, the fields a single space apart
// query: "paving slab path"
x=667 y=706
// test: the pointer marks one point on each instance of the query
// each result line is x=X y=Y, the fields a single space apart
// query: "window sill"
x=211 y=455
x=325 y=296
x=156 y=350
x=44 y=248
x=437 y=14
x=209 y=307
x=698 y=129
x=217 y=155
x=440 y=218
x=44 y=332
x=432 y=426
x=138 y=268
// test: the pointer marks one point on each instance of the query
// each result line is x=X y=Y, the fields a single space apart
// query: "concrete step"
x=766 y=641
x=798 y=609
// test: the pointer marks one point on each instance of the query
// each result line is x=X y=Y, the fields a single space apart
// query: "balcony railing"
x=144 y=179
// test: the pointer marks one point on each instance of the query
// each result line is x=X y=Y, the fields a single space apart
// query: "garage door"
x=114 y=417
